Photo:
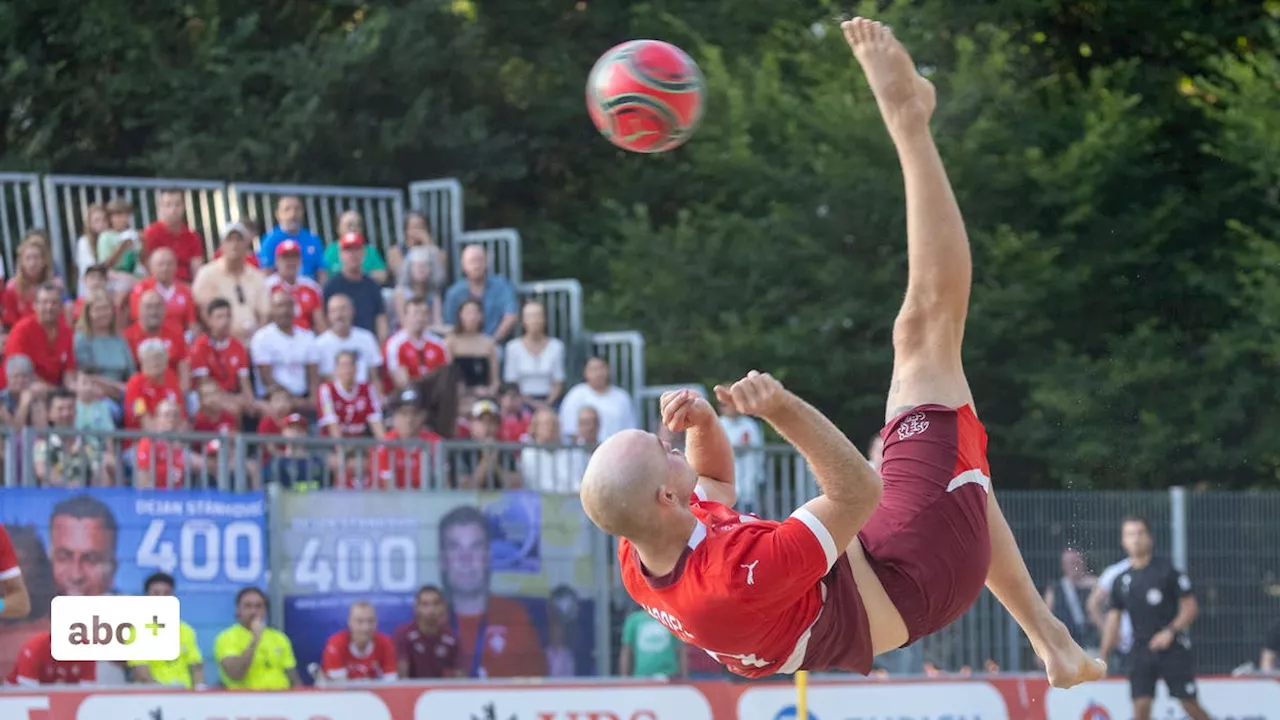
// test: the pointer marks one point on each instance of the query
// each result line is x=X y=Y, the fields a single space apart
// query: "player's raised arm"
x=707 y=447
x=851 y=487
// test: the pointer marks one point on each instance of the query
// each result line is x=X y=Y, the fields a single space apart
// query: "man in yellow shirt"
x=252 y=656
x=187 y=670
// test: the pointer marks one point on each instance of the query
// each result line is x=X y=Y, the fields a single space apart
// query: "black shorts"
x=1176 y=666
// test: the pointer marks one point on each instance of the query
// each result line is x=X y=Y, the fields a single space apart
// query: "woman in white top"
x=547 y=467
x=535 y=360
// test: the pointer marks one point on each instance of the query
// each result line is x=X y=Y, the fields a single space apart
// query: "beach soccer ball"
x=646 y=96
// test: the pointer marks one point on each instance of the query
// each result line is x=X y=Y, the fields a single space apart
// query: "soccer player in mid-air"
x=870 y=565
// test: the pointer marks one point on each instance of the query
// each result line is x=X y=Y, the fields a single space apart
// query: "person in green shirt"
x=374 y=266
x=187 y=671
x=252 y=656
x=649 y=649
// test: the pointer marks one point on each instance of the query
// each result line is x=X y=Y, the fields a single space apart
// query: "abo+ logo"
x=115 y=628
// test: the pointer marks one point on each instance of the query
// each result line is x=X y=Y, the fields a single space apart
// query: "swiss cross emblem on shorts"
x=912 y=425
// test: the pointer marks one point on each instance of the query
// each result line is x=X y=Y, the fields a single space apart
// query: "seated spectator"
x=171 y=231
x=118 y=248
x=46 y=339
x=417 y=234
x=365 y=294
x=221 y=359
x=295 y=466
x=102 y=354
x=494 y=293
x=588 y=435
x=414 y=282
x=404 y=467
x=36 y=666
x=348 y=407
x=252 y=656
x=373 y=265
x=239 y=283
x=179 y=302
x=413 y=351
x=214 y=415
x=516 y=416
x=613 y=404
x=185 y=671
x=95 y=417
x=252 y=234
x=35 y=270
x=95 y=222
x=535 y=360
x=154 y=383
x=22 y=403
x=425 y=648
x=278 y=406
x=474 y=353
x=65 y=457
x=549 y=468
x=164 y=463
x=285 y=355
x=289 y=226
x=360 y=652
x=343 y=336
x=307 y=294
x=485 y=467
x=94 y=280
x=151 y=325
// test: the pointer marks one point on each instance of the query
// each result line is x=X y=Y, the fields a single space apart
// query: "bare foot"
x=906 y=99
x=1070 y=665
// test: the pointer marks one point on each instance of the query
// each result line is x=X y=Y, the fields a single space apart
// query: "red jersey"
x=8 y=557
x=166 y=459
x=16 y=303
x=36 y=666
x=353 y=410
x=186 y=244
x=514 y=428
x=51 y=357
x=224 y=423
x=740 y=572
x=418 y=356
x=174 y=341
x=142 y=395
x=307 y=294
x=179 y=304
x=401 y=467
x=343 y=661
x=224 y=362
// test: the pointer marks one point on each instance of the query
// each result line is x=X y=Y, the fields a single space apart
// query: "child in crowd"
x=118 y=247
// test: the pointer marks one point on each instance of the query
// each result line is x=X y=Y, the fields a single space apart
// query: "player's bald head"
x=622 y=482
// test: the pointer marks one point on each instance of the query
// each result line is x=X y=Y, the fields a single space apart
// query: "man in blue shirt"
x=494 y=293
x=289 y=227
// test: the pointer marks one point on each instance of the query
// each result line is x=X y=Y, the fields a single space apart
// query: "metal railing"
x=441 y=201
x=503 y=248
x=382 y=209
x=21 y=209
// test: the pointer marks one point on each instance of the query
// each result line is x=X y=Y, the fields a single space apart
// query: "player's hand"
x=757 y=394
x=1161 y=640
x=257 y=626
x=683 y=409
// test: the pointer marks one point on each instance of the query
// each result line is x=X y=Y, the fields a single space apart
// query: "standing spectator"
x=343 y=336
x=417 y=234
x=252 y=656
x=613 y=404
x=46 y=339
x=348 y=407
x=35 y=270
x=308 y=296
x=1068 y=598
x=64 y=457
x=1098 y=605
x=289 y=227
x=415 y=281
x=238 y=282
x=425 y=648
x=36 y=666
x=649 y=650
x=359 y=652
x=102 y=355
x=747 y=438
x=549 y=468
x=117 y=247
x=154 y=383
x=24 y=398
x=171 y=231
x=95 y=223
x=151 y=325
x=403 y=467
x=1270 y=660
x=364 y=293
x=535 y=360
x=1162 y=606
x=474 y=353
x=185 y=671
x=220 y=358
x=413 y=351
x=285 y=355
x=373 y=265
x=179 y=302
x=494 y=292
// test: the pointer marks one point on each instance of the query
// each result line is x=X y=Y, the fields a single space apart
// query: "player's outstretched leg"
x=929 y=330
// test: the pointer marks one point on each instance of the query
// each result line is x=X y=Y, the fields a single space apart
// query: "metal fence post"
x=604 y=603
x=1178 y=527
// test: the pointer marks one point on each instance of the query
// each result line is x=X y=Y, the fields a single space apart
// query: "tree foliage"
x=1118 y=163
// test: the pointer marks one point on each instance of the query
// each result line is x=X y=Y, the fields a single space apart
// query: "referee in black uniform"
x=1162 y=607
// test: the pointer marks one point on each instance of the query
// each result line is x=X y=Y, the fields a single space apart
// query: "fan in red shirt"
x=412 y=351
x=35 y=269
x=360 y=652
x=308 y=296
x=162 y=463
x=222 y=359
x=153 y=383
x=515 y=415
x=171 y=231
x=45 y=339
x=179 y=303
x=349 y=408
x=401 y=467
x=151 y=325
x=36 y=666
x=15 y=601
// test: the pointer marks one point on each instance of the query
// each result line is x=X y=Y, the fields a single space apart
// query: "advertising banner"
x=516 y=568
x=107 y=541
x=1233 y=699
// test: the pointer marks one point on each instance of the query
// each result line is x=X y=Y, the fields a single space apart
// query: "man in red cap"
x=364 y=293
x=308 y=296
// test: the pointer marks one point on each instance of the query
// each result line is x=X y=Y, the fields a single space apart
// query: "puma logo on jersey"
x=751 y=572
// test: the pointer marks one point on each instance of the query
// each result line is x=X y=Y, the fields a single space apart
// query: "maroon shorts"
x=928 y=541
x=840 y=638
